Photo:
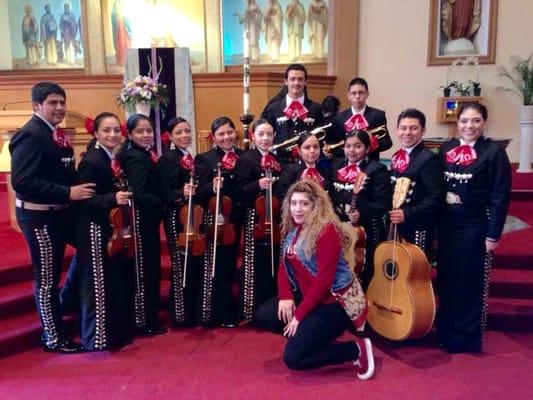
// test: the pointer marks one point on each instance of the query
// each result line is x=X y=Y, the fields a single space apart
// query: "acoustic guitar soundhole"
x=390 y=270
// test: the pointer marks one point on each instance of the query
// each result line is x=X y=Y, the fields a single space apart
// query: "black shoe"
x=64 y=346
x=157 y=330
x=229 y=325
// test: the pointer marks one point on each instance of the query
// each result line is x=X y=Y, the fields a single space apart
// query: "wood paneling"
x=215 y=95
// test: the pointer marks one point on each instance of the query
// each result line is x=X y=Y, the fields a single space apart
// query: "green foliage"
x=521 y=76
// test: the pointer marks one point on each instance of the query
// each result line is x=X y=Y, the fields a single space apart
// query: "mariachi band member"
x=176 y=167
x=308 y=165
x=291 y=111
x=106 y=285
x=216 y=170
x=139 y=163
x=416 y=217
x=43 y=177
x=373 y=201
x=360 y=116
x=478 y=183
x=256 y=180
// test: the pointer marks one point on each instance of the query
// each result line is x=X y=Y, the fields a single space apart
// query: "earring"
x=172 y=146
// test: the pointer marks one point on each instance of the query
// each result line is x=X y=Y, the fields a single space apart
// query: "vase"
x=447 y=92
x=526 y=134
x=143 y=108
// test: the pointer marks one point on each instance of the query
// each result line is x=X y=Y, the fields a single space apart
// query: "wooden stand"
x=447 y=108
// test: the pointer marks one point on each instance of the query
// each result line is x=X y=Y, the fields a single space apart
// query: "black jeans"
x=46 y=234
x=314 y=344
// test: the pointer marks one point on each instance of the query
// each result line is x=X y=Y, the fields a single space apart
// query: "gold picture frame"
x=45 y=36
x=484 y=21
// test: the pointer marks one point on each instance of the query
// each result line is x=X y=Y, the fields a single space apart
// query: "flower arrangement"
x=143 y=89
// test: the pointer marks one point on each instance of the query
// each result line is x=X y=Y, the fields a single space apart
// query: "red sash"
x=463 y=155
x=187 y=162
x=116 y=168
x=348 y=174
x=400 y=161
x=153 y=156
x=296 y=110
x=61 y=138
x=312 y=173
x=356 y=121
x=269 y=162
x=229 y=160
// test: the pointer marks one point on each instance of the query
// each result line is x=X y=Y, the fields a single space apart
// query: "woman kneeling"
x=313 y=271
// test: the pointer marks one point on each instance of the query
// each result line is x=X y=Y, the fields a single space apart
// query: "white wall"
x=393 y=39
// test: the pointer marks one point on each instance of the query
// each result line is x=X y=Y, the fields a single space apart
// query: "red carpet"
x=245 y=364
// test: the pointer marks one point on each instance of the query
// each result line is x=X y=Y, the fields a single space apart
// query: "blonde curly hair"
x=321 y=214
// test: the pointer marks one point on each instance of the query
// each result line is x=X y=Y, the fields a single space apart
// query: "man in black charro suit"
x=291 y=111
x=371 y=118
x=43 y=176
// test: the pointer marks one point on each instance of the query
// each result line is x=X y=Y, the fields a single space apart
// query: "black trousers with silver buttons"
x=46 y=233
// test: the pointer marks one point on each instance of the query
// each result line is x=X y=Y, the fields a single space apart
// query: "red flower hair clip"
x=89 y=125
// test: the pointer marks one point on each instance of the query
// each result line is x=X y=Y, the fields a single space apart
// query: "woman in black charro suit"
x=139 y=163
x=175 y=169
x=106 y=285
x=477 y=175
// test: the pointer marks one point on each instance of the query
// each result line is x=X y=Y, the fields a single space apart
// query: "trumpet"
x=379 y=132
x=319 y=132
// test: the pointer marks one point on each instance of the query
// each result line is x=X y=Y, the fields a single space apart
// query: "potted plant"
x=521 y=76
x=476 y=88
x=448 y=88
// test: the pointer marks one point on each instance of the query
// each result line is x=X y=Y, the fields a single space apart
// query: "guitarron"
x=400 y=294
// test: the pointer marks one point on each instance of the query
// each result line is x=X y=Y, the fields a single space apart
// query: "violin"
x=191 y=217
x=267 y=207
x=121 y=244
x=400 y=294
x=221 y=230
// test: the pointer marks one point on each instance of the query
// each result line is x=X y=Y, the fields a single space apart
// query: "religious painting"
x=41 y=34
x=279 y=31
x=462 y=28
x=152 y=23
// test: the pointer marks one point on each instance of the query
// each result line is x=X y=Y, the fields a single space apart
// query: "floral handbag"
x=354 y=303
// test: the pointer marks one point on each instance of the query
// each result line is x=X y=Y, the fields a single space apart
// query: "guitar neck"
x=353 y=202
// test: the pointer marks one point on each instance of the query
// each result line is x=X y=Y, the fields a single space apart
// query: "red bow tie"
x=348 y=174
x=461 y=155
x=229 y=160
x=296 y=110
x=269 y=162
x=187 y=162
x=116 y=167
x=153 y=156
x=61 y=138
x=312 y=173
x=400 y=161
x=356 y=121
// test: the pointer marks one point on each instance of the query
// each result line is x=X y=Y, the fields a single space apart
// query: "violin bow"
x=217 y=210
x=269 y=195
x=189 y=212
x=134 y=226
